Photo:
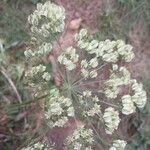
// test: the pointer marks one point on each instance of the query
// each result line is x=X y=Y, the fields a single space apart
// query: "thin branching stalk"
x=11 y=84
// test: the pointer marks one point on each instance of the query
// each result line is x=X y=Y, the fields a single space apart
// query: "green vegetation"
x=15 y=97
x=116 y=22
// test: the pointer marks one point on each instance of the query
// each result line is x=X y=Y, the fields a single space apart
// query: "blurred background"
x=114 y=19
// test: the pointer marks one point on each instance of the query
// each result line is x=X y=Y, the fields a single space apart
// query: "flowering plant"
x=93 y=76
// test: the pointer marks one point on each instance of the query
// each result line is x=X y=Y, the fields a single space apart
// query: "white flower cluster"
x=112 y=120
x=139 y=97
x=84 y=41
x=59 y=109
x=43 y=49
x=38 y=146
x=46 y=76
x=38 y=78
x=87 y=68
x=119 y=76
x=128 y=105
x=96 y=109
x=37 y=71
x=69 y=58
x=125 y=50
x=89 y=104
x=81 y=138
x=118 y=145
x=46 y=19
x=109 y=51
x=87 y=93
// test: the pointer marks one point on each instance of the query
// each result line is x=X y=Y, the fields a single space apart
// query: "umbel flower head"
x=88 y=68
x=69 y=58
x=86 y=92
x=47 y=18
x=42 y=50
x=109 y=51
x=59 y=109
x=139 y=97
x=81 y=138
x=46 y=22
x=128 y=105
x=118 y=145
x=111 y=118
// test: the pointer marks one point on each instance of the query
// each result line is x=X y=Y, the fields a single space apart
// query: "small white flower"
x=44 y=49
x=139 y=97
x=115 y=67
x=83 y=32
x=93 y=62
x=110 y=57
x=125 y=50
x=69 y=58
x=84 y=73
x=92 y=45
x=95 y=99
x=70 y=111
x=87 y=93
x=80 y=138
x=96 y=109
x=77 y=146
x=118 y=145
x=128 y=105
x=111 y=91
x=35 y=70
x=93 y=74
x=60 y=122
x=56 y=108
x=28 y=53
x=112 y=120
x=84 y=64
x=126 y=75
x=88 y=148
x=46 y=76
x=82 y=44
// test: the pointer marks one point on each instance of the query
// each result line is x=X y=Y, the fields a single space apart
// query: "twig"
x=109 y=104
x=12 y=84
x=13 y=87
